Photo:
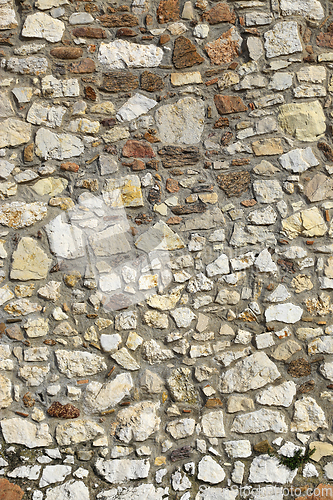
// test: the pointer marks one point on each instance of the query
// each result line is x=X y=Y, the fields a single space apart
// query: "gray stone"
x=119 y=471
x=283 y=39
x=57 y=146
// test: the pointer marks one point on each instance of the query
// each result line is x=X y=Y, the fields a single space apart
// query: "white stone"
x=326 y=369
x=210 y=471
x=14 y=132
x=183 y=317
x=142 y=492
x=286 y=313
x=20 y=431
x=72 y=490
x=311 y=9
x=33 y=375
x=308 y=416
x=281 y=81
x=5 y=392
x=280 y=294
x=136 y=106
x=99 y=397
x=80 y=18
x=260 y=421
x=180 y=482
x=181 y=122
x=50 y=116
x=267 y=191
x=212 y=424
x=182 y=428
x=266 y=469
x=42 y=25
x=57 y=146
x=119 y=471
x=77 y=431
x=79 y=363
x=66 y=240
x=283 y=39
x=7 y=15
x=125 y=359
x=219 y=266
x=121 y=54
x=299 y=160
x=138 y=422
x=279 y=395
x=253 y=372
x=217 y=493
x=52 y=87
x=30 y=472
x=5 y=294
x=48 y=4
x=110 y=343
x=54 y=474
x=238 y=449
x=322 y=345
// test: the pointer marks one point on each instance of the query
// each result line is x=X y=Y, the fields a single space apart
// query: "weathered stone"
x=220 y=13
x=66 y=52
x=138 y=422
x=213 y=425
x=85 y=65
x=253 y=372
x=266 y=469
x=99 y=397
x=72 y=490
x=283 y=39
x=63 y=411
x=260 y=421
x=137 y=149
x=79 y=363
x=185 y=54
x=125 y=191
x=121 y=54
x=77 y=431
x=116 y=20
x=10 y=491
x=311 y=9
x=57 y=146
x=18 y=215
x=120 y=81
x=29 y=261
x=19 y=431
x=119 y=471
x=41 y=25
x=168 y=10
x=151 y=82
x=181 y=387
x=89 y=32
x=226 y=48
x=181 y=428
x=210 y=471
x=14 y=132
x=226 y=104
x=234 y=184
x=308 y=416
x=5 y=392
x=280 y=395
x=305 y=121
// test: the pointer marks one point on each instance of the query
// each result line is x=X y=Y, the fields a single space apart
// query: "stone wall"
x=166 y=249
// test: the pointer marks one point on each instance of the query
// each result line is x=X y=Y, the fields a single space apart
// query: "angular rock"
x=151 y=82
x=138 y=422
x=116 y=20
x=226 y=104
x=119 y=81
x=310 y=9
x=40 y=25
x=29 y=261
x=137 y=149
x=308 y=416
x=121 y=54
x=266 y=469
x=260 y=421
x=20 y=431
x=279 y=395
x=159 y=237
x=136 y=106
x=235 y=183
x=238 y=449
x=267 y=191
x=283 y=39
x=180 y=386
x=99 y=397
x=54 y=474
x=14 y=132
x=72 y=490
x=119 y=471
x=10 y=491
x=77 y=431
x=298 y=160
x=210 y=471
x=79 y=363
x=57 y=146
x=5 y=392
x=220 y=13
x=304 y=121
x=319 y=188
x=185 y=54
x=18 y=215
x=226 y=48
x=181 y=428
x=212 y=424
x=7 y=15
x=66 y=240
x=253 y=372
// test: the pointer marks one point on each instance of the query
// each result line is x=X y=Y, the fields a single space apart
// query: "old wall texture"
x=166 y=249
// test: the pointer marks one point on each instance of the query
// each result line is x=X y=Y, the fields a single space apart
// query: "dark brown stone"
x=137 y=165
x=175 y=156
x=155 y=194
x=28 y=154
x=235 y=183
x=222 y=122
x=220 y=13
x=28 y=400
x=325 y=40
x=84 y=66
x=248 y=203
x=10 y=491
x=151 y=82
x=239 y=162
x=126 y=32
x=287 y=265
x=181 y=453
x=70 y=166
x=15 y=333
x=193 y=208
x=203 y=188
x=226 y=138
x=263 y=447
x=108 y=122
x=165 y=38
x=143 y=219
x=185 y=54
x=5 y=39
x=120 y=81
x=63 y=411
x=90 y=93
x=168 y=10
x=66 y=52
x=89 y=32
x=299 y=368
x=226 y=104
x=171 y=185
x=326 y=150
x=137 y=149
x=118 y=20
x=307 y=387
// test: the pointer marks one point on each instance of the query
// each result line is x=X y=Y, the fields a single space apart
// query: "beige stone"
x=178 y=79
x=305 y=121
x=29 y=261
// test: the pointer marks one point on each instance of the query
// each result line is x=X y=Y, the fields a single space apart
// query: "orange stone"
x=10 y=491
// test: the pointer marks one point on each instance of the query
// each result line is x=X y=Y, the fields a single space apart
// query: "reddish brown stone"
x=28 y=154
x=225 y=48
x=249 y=203
x=118 y=20
x=235 y=183
x=165 y=38
x=28 y=400
x=84 y=66
x=125 y=32
x=90 y=93
x=226 y=138
x=120 y=81
x=320 y=492
x=220 y=13
x=307 y=387
x=108 y=122
x=174 y=220
x=70 y=166
x=137 y=165
x=172 y=186
x=168 y=10
x=14 y=332
x=222 y=122
x=66 y=52
x=63 y=411
x=89 y=32
x=151 y=82
x=152 y=137
x=226 y=104
x=325 y=40
x=137 y=149
x=10 y=491
x=185 y=54
x=2 y=328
